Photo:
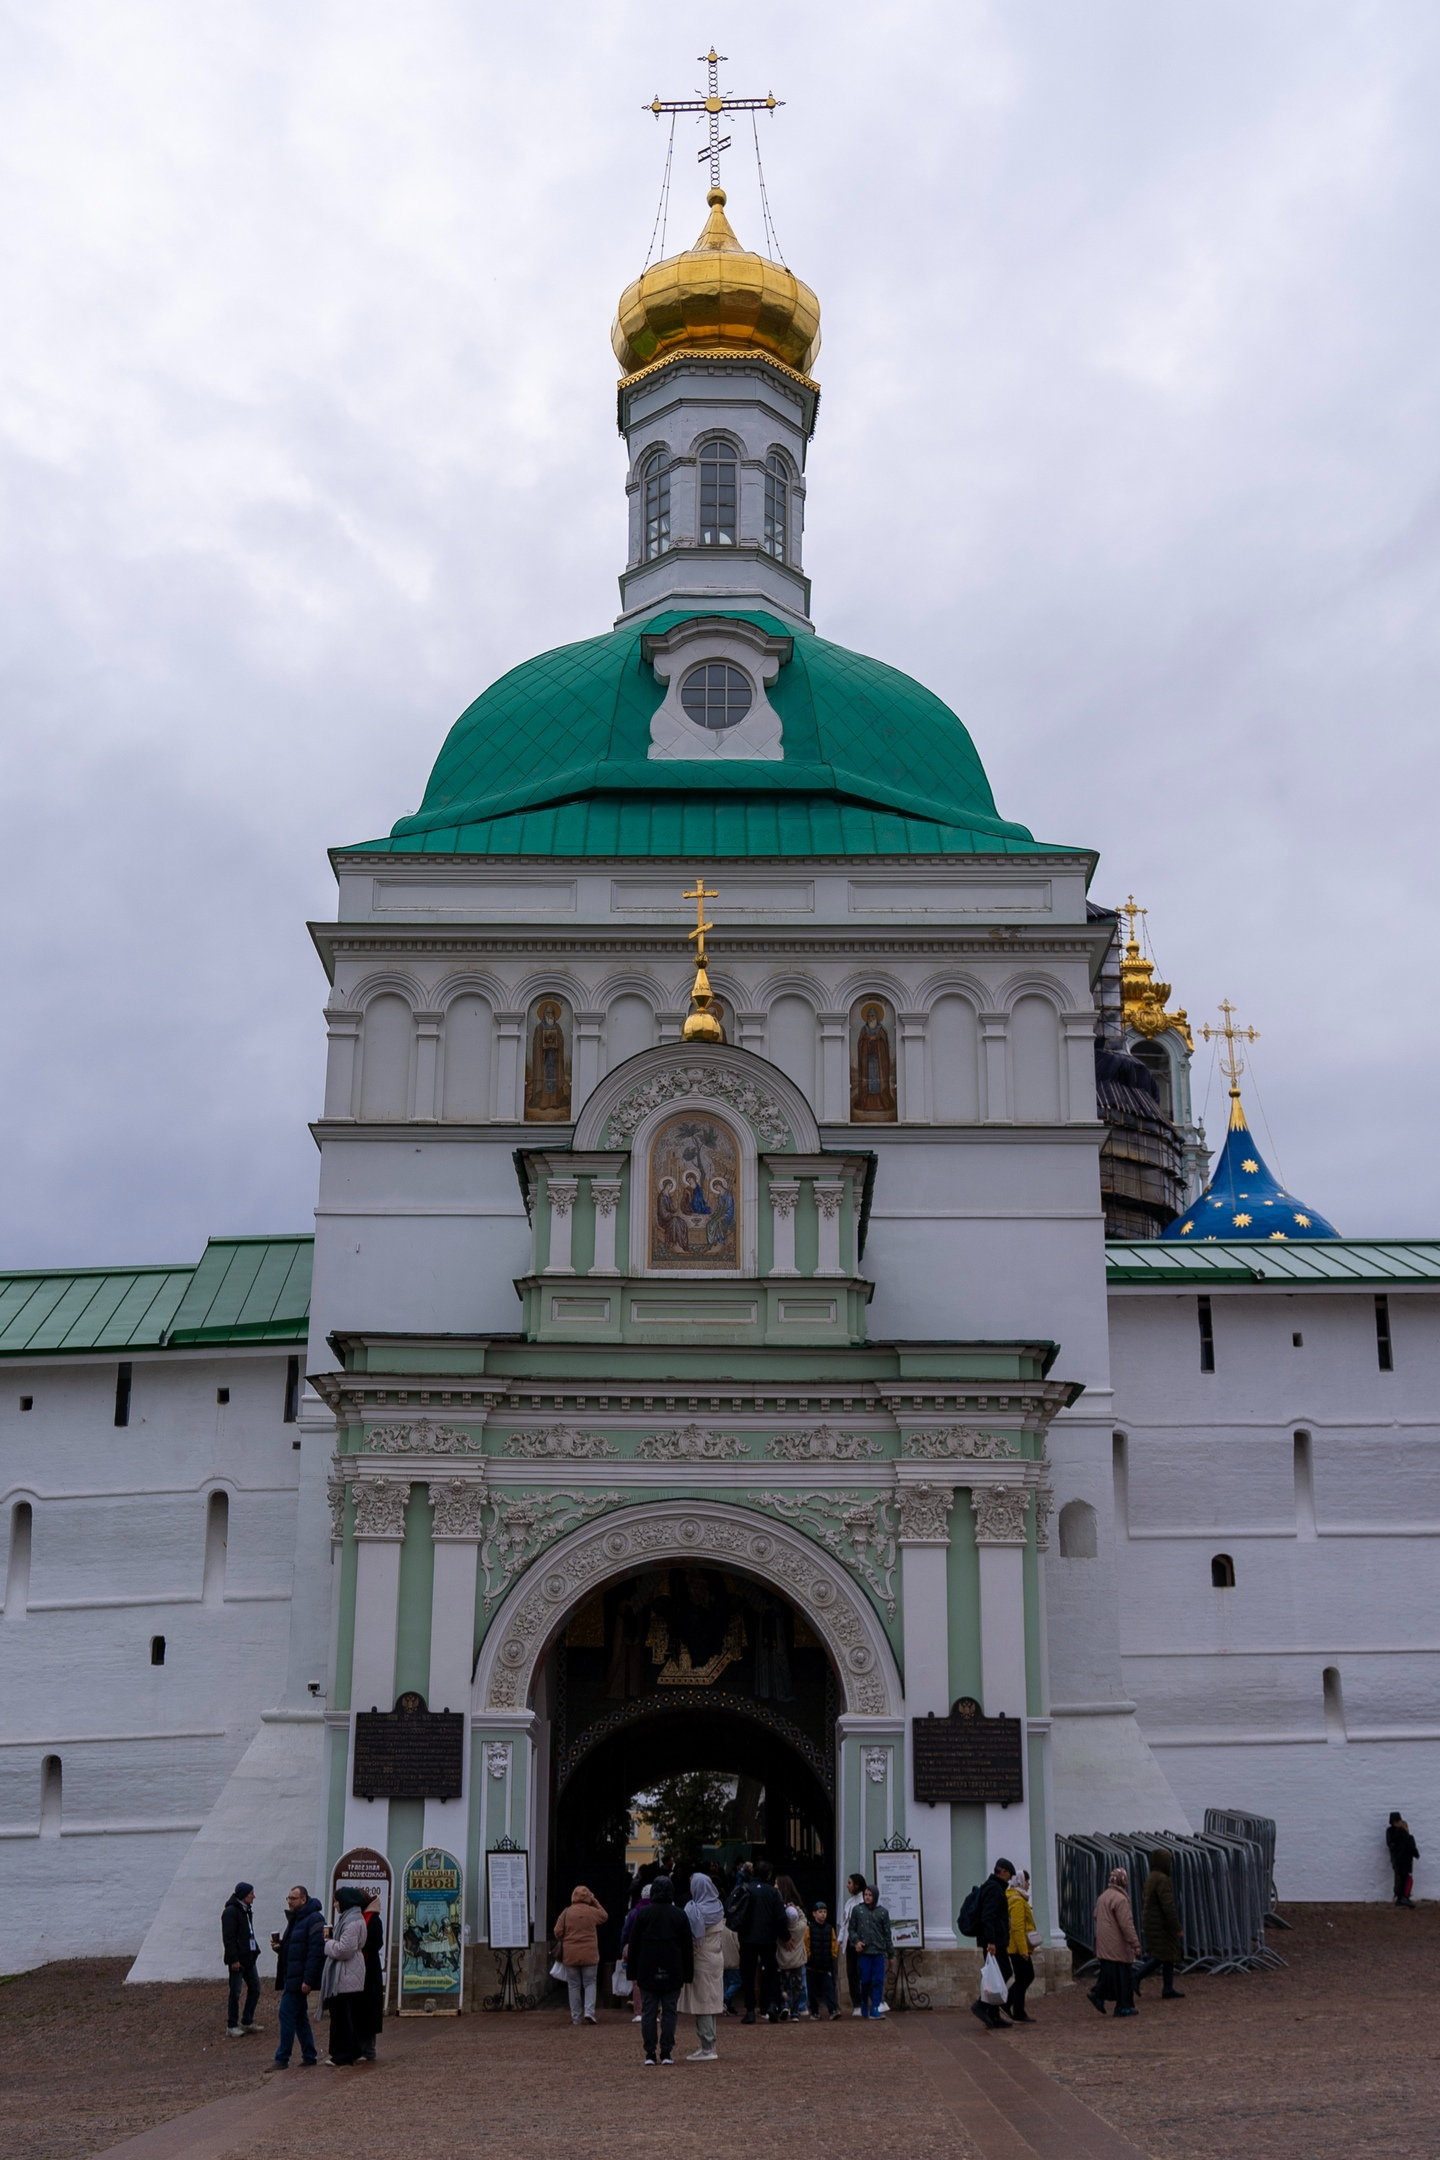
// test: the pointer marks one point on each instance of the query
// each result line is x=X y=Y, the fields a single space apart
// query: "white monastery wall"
x=122 y=1549
x=1310 y=1690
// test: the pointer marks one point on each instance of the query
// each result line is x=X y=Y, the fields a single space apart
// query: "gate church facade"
x=692 y=1366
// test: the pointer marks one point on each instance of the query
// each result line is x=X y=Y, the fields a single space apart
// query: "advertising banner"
x=432 y=1935
x=370 y=1870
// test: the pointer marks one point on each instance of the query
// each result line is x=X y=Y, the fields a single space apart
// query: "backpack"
x=969 y=1920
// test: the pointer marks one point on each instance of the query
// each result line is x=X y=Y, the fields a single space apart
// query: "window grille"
x=657 y=507
x=716 y=695
x=719 y=495
x=776 y=537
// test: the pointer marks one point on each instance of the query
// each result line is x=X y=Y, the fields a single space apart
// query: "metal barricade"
x=1222 y=1885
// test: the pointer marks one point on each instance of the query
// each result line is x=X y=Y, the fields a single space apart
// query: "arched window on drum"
x=719 y=495
x=775 y=536
x=655 y=505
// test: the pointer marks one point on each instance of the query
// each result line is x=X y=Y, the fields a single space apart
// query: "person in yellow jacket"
x=1022 y=1927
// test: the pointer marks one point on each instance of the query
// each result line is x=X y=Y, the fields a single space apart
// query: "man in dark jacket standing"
x=660 y=1958
x=991 y=1930
x=299 y=1958
x=759 y=1922
x=237 y=1937
x=1404 y=1852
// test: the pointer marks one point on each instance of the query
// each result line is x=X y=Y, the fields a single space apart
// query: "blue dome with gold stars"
x=1245 y=1199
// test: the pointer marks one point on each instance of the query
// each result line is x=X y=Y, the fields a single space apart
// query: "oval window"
x=716 y=695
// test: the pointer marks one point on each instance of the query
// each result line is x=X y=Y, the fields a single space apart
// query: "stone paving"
x=1336 y=2055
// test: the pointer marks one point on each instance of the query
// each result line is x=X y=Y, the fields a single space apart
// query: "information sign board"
x=507 y=1885
x=896 y=1876
x=432 y=1934
x=968 y=1757
x=409 y=1753
x=370 y=1872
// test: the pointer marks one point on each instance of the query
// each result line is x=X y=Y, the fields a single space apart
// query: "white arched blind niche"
x=1035 y=1061
x=953 y=1054
x=17 y=1572
x=468 y=1029
x=790 y=1042
x=385 y=1059
x=629 y=1029
x=1077 y=1531
x=217 y=1546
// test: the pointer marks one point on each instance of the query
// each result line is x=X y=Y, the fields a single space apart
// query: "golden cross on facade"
x=1232 y=1064
x=1132 y=909
x=702 y=1025
x=700 y=895
x=714 y=103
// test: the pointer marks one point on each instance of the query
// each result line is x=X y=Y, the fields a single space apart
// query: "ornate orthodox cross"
x=713 y=103
x=1230 y=1060
x=700 y=895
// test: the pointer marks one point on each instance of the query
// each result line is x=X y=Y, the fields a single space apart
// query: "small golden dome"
x=716 y=297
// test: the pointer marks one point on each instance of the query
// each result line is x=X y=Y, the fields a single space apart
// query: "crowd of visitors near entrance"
x=744 y=1947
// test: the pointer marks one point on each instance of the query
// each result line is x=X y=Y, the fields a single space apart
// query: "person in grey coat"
x=345 y=1992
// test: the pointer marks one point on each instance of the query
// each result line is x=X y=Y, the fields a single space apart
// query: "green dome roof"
x=553 y=759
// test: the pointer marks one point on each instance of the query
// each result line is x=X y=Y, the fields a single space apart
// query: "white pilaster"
x=344 y=1033
x=829 y=1199
x=427 y=1065
x=379 y=1534
x=509 y=1066
x=1000 y=1512
x=605 y=1192
x=588 y=1029
x=561 y=1192
x=924 y=1508
x=1079 y=1055
x=911 y=1104
x=784 y=1193
x=458 y=1503
x=996 y=1107
x=834 y=1104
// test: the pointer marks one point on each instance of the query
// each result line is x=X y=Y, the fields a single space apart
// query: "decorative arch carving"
x=715 y=1072
x=545 y=1596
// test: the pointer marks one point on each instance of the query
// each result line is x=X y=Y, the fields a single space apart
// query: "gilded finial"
x=702 y=1026
x=1231 y=1062
x=1142 y=999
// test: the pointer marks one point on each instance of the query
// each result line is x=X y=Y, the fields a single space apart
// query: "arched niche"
x=873 y=1093
x=668 y=1533
x=1079 y=1538
x=698 y=1073
x=549 y=1038
x=386 y=1049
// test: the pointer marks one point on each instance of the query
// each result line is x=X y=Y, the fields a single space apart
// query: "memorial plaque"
x=968 y=1758
x=409 y=1753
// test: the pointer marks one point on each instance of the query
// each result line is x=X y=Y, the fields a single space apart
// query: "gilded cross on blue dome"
x=1244 y=1199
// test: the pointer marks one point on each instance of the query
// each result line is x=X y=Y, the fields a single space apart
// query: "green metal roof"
x=243 y=1290
x=554 y=759
x=1333 y=1263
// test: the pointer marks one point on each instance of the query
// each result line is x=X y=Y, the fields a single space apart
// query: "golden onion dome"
x=717 y=297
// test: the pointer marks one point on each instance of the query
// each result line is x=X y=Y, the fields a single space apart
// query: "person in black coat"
x=660 y=1958
x=991 y=1931
x=242 y=1953
x=758 y=1918
x=299 y=1959
x=1404 y=1852
x=370 y=2019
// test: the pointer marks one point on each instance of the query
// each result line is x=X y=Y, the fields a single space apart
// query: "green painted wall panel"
x=417 y=1586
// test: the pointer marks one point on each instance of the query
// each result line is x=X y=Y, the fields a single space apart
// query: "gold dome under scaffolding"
x=717 y=297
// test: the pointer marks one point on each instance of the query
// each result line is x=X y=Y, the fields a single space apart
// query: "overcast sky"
x=1128 y=448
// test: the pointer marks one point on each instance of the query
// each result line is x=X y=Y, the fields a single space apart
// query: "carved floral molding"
x=857 y=1528
x=1000 y=1512
x=924 y=1512
x=823 y=1444
x=380 y=1504
x=685 y=1081
x=422 y=1438
x=559 y=1443
x=692 y=1443
x=956 y=1443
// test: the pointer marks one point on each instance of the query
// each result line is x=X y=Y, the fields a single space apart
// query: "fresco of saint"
x=547 y=1075
x=872 y=1079
x=694 y=1187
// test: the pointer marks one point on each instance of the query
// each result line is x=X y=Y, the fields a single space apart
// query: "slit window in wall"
x=122 y=1396
x=292 y=1390
x=51 y=1796
x=1207 y=1335
x=27 y=1402
x=1383 y=1346
x=157 y=1649
x=1077 y=1531
x=217 y=1539
x=222 y=1394
x=1222 y=1572
x=17 y=1571
x=1297 y=1341
x=1334 y=1704
x=1304 y=1485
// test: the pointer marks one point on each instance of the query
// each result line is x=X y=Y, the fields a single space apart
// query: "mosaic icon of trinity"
x=694 y=1196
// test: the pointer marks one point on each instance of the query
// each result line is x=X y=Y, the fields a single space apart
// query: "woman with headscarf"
x=703 y=1995
x=577 y=1945
x=639 y=1895
x=1116 y=1945
x=1160 y=1925
x=343 y=1986
x=372 y=2002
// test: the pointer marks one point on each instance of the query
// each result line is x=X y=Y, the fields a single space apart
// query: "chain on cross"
x=713 y=104
x=1231 y=1062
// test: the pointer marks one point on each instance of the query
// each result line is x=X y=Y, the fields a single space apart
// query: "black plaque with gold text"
x=968 y=1758
x=409 y=1753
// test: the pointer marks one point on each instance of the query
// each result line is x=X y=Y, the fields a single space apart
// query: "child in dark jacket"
x=822 y=1947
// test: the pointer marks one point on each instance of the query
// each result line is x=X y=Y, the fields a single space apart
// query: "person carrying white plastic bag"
x=985 y=1917
x=994 y=1987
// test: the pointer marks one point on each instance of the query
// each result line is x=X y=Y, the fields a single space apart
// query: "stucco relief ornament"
x=950 y=1443
x=497 y=1757
x=999 y=1513
x=877 y=1763
x=855 y=1527
x=521 y=1528
x=924 y=1512
x=458 y=1505
x=683 y=1081
x=822 y=1444
x=335 y=1500
x=693 y=1443
x=559 y=1443
x=380 y=1504
x=1044 y=1509
x=422 y=1438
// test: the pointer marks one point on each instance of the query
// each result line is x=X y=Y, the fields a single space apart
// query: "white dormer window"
x=719 y=495
x=657 y=506
x=716 y=695
x=776 y=536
